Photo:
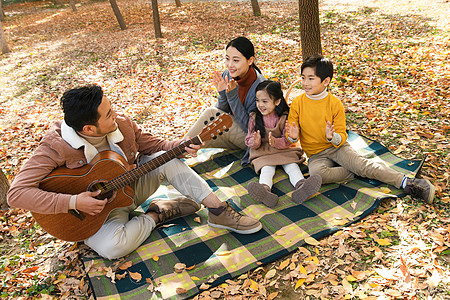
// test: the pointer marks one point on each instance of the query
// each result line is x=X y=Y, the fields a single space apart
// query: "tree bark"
x=118 y=14
x=178 y=3
x=4 y=187
x=2 y=13
x=256 y=10
x=72 y=4
x=309 y=27
x=156 y=20
x=3 y=43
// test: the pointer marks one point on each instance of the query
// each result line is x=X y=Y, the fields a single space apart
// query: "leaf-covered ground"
x=392 y=73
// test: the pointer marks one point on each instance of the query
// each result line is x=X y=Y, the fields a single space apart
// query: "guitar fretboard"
x=131 y=176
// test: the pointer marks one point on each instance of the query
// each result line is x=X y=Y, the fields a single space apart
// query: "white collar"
x=76 y=141
x=319 y=96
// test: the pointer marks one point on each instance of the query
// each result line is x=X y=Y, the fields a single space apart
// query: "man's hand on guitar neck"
x=87 y=203
x=192 y=149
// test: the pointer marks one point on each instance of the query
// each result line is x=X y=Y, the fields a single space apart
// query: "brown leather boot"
x=169 y=209
x=227 y=217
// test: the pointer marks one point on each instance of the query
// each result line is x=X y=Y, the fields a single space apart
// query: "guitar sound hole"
x=105 y=193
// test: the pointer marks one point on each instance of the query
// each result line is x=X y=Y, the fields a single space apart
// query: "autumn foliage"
x=392 y=73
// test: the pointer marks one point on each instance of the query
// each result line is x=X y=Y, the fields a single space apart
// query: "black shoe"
x=169 y=209
x=420 y=188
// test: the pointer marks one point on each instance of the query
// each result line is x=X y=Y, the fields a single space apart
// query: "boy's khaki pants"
x=343 y=163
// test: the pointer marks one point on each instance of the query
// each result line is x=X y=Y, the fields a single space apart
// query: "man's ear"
x=88 y=129
x=326 y=81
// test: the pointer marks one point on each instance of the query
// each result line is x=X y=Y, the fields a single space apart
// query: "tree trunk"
x=156 y=21
x=256 y=10
x=2 y=13
x=72 y=4
x=118 y=14
x=178 y=3
x=3 y=43
x=4 y=187
x=309 y=27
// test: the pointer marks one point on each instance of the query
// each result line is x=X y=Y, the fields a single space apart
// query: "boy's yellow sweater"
x=311 y=117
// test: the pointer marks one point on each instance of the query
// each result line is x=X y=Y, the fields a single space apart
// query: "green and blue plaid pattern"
x=217 y=255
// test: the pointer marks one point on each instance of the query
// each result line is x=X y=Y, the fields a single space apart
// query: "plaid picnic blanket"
x=215 y=255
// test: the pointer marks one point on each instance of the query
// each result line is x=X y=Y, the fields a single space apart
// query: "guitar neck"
x=131 y=176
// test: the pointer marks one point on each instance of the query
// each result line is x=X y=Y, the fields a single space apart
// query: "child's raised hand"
x=257 y=138
x=292 y=130
x=329 y=130
x=271 y=140
x=220 y=83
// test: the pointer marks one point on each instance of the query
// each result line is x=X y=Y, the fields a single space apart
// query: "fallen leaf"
x=180 y=291
x=386 y=273
x=272 y=296
x=284 y=264
x=299 y=283
x=351 y=278
x=204 y=286
x=197 y=219
x=435 y=279
x=347 y=286
x=312 y=241
x=385 y=190
x=126 y=265
x=270 y=273
x=155 y=257
x=384 y=242
x=136 y=276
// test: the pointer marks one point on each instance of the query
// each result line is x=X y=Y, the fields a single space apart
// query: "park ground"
x=392 y=74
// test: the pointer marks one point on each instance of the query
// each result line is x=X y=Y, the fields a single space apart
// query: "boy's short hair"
x=322 y=66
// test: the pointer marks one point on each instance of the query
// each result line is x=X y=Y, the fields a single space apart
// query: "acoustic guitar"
x=110 y=173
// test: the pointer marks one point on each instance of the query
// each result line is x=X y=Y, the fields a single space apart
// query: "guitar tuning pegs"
x=221 y=133
x=226 y=130
x=214 y=138
x=217 y=114
x=206 y=122
x=211 y=119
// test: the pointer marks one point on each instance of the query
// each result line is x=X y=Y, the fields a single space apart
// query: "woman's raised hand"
x=232 y=84
x=220 y=83
x=223 y=84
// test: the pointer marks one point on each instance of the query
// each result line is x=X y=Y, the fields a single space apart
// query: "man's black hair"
x=80 y=106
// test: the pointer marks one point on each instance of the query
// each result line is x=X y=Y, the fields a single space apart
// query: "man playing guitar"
x=90 y=129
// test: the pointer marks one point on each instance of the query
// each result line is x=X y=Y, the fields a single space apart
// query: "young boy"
x=318 y=119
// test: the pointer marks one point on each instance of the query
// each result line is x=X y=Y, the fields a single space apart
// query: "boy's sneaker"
x=420 y=188
x=305 y=188
x=169 y=209
x=227 y=217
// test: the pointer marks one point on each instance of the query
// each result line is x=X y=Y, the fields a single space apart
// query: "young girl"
x=236 y=87
x=269 y=147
